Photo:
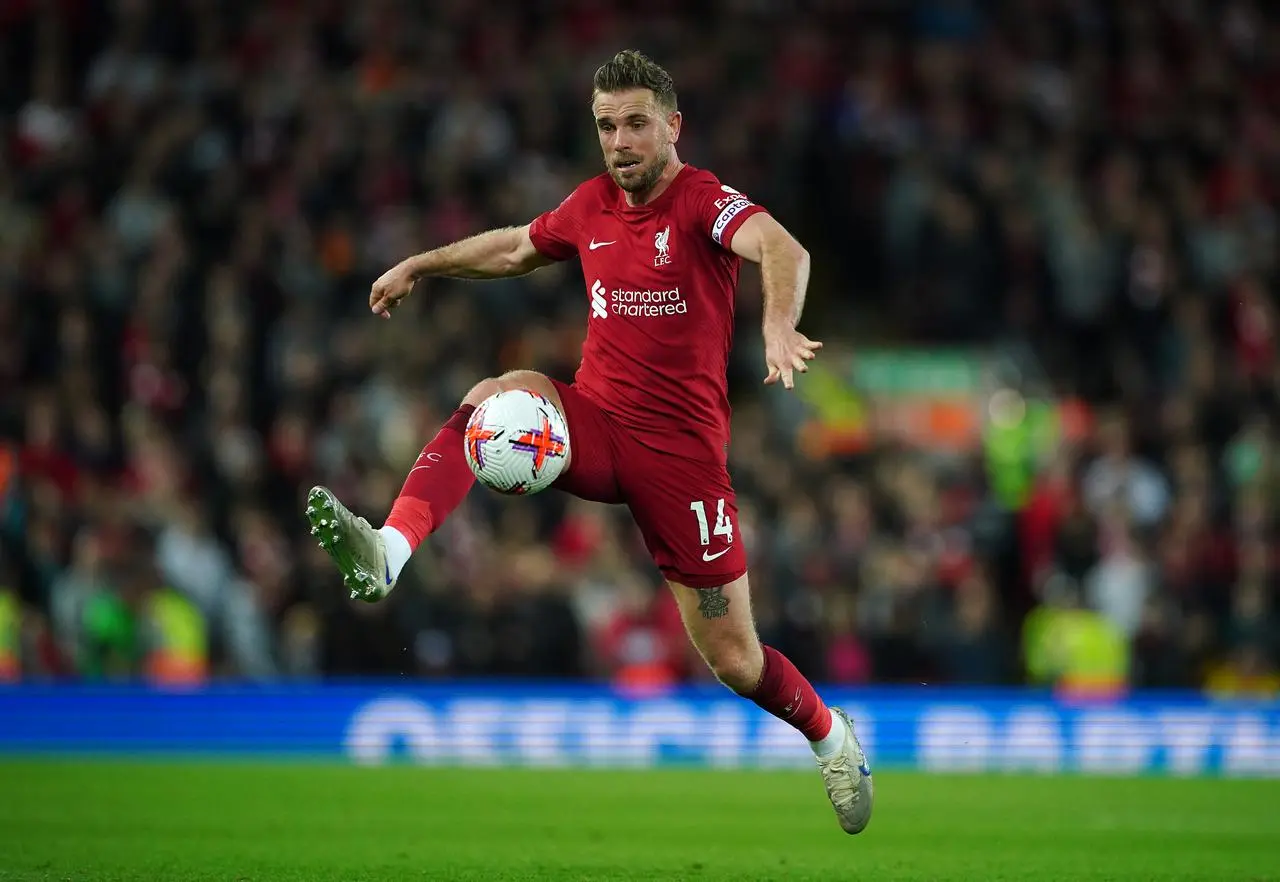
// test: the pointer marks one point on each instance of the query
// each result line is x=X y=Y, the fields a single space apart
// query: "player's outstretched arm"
x=497 y=254
x=784 y=274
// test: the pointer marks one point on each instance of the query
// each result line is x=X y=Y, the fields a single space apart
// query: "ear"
x=674 y=120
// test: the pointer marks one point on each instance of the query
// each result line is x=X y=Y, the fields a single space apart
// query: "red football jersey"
x=660 y=281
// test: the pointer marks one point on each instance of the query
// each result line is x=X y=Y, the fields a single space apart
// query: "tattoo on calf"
x=712 y=603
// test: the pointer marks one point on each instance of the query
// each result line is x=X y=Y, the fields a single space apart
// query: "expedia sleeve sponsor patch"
x=733 y=206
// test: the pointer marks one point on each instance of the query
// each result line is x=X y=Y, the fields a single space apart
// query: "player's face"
x=636 y=137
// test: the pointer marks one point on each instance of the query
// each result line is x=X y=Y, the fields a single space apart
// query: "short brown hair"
x=630 y=69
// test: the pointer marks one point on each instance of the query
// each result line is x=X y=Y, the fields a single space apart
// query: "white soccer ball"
x=516 y=442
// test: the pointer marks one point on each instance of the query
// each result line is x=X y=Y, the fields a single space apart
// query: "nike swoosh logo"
x=593 y=245
x=388 y=568
x=707 y=555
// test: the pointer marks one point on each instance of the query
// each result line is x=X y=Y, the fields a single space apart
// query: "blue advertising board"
x=549 y=724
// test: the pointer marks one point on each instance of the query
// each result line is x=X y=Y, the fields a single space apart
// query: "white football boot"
x=356 y=547
x=848 y=779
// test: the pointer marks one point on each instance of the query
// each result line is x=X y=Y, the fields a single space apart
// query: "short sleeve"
x=556 y=233
x=721 y=210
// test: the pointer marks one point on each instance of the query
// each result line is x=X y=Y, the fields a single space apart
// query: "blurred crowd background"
x=195 y=196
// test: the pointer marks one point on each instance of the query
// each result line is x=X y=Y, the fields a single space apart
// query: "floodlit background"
x=1044 y=247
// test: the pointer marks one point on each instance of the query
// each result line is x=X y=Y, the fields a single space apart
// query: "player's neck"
x=660 y=186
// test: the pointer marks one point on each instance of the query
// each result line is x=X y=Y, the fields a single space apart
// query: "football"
x=517 y=442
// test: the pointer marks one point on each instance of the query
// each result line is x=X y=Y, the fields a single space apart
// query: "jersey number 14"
x=723 y=526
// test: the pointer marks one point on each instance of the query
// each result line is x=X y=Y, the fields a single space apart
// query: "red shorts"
x=686 y=509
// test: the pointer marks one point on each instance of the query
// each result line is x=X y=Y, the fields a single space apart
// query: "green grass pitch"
x=186 y=821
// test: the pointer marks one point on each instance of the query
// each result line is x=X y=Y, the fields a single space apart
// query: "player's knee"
x=736 y=666
x=508 y=381
x=486 y=388
x=522 y=379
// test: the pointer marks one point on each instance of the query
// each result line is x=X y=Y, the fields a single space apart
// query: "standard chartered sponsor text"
x=647 y=303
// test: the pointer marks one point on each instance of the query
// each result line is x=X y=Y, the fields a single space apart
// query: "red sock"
x=784 y=692
x=437 y=483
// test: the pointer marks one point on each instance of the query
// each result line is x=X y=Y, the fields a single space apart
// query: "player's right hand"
x=392 y=286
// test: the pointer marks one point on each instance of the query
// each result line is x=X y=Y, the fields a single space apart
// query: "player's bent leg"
x=518 y=379
x=719 y=622
x=441 y=478
x=369 y=559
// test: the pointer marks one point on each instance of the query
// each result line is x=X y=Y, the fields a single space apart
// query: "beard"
x=645 y=180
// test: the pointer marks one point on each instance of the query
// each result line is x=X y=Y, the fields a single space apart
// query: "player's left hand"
x=786 y=351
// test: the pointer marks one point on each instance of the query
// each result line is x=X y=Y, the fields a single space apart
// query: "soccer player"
x=661 y=243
